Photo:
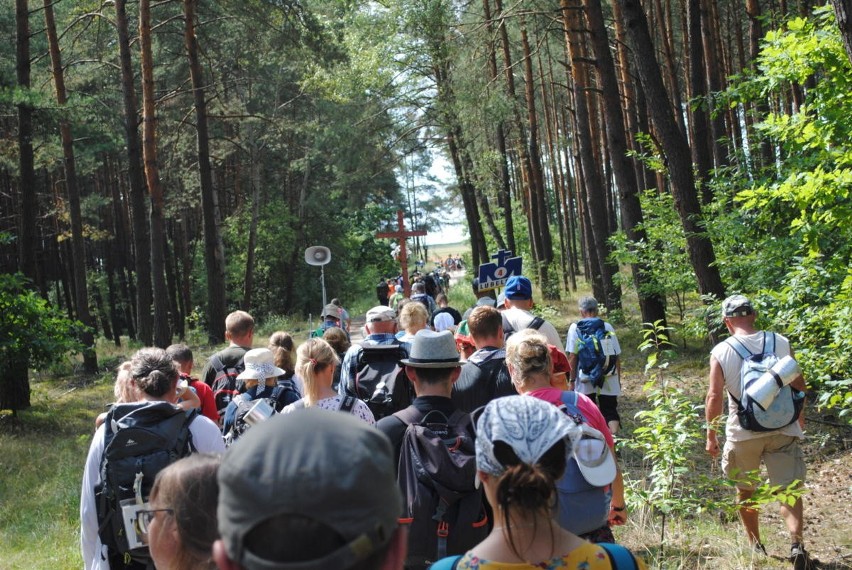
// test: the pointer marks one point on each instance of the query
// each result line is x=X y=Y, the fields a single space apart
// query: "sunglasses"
x=144 y=518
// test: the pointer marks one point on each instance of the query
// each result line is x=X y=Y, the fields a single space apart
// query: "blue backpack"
x=592 y=358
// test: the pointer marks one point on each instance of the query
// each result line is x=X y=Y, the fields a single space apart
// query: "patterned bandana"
x=528 y=425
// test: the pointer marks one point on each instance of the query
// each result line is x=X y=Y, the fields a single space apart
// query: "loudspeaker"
x=317 y=255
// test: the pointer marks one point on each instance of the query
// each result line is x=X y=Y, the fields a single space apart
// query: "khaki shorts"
x=782 y=455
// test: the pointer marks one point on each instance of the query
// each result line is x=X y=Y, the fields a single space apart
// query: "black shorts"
x=608 y=406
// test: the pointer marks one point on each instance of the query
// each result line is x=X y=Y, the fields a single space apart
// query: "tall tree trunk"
x=603 y=272
x=843 y=13
x=755 y=35
x=714 y=85
x=700 y=248
x=651 y=305
x=214 y=249
x=138 y=207
x=27 y=190
x=248 y=282
x=538 y=206
x=90 y=359
x=162 y=332
x=701 y=152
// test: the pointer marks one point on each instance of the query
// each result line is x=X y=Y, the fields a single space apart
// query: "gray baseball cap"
x=326 y=466
x=737 y=306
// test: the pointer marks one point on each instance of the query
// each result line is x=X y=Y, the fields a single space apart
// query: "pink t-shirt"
x=587 y=407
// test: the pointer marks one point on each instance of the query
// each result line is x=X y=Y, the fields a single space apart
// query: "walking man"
x=780 y=450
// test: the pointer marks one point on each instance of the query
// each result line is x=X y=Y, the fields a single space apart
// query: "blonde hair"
x=413 y=316
x=528 y=354
x=312 y=357
x=125 y=390
x=281 y=344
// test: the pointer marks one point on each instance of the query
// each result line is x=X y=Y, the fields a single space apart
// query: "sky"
x=453 y=229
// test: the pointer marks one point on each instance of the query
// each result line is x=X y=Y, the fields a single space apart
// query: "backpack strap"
x=619 y=557
x=769 y=343
x=536 y=323
x=738 y=347
x=448 y=563
x=217 y=363
x=409 y=415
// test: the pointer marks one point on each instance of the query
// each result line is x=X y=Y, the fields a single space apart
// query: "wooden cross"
x=402 y=235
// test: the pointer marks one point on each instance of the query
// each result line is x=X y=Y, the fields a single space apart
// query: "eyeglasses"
x=144 y=518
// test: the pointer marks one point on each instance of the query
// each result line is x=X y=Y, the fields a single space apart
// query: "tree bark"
x=700 y=248
x=651 y=306
x=538 y=206
x=27 y=190
x=138 y=207
x=214 y=249
x=701 y=153
x=843 y=13
x=601 y=271
x=162 y=332
x=90 y=359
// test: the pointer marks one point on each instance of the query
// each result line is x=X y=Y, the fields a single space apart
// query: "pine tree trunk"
x=162 y=333
x=651 y=305
x=138 y=206
x=701 y=152
x=90 y=359
x=27 y=190
x=214 y=249
x=602 y=272
x=700 y=248
x=843 y=13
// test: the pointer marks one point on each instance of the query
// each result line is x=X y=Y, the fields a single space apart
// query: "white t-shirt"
x=731 y=363
x=518 y=320
x=612 y=383
x=359 y=410
x=206 y=438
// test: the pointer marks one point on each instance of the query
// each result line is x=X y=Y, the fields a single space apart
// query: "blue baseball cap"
x=519 y=288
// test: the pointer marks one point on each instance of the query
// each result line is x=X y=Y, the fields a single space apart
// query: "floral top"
x=359 y=410
x=587 y=557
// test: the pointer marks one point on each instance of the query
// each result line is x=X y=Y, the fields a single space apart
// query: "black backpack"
x=442 y=507
x=508 y=331
x=140 y=440
x=380 y=379
x=225 y=385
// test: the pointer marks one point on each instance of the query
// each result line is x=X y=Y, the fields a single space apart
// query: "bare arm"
x=617 y=506
x=713 y=405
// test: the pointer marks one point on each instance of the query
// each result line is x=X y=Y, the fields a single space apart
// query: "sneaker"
x=800 y=558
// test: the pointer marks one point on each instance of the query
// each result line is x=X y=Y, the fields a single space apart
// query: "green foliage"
x=31 y=331
x=788 y=238
x=664 y=254
x=666 y=437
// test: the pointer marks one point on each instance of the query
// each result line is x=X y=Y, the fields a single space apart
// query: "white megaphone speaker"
x=317 y=255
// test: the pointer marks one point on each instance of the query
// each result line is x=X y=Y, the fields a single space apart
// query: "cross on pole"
x=402 y=235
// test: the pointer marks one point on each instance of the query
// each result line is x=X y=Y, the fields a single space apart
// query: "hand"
x=712 y=445
x=617 y=515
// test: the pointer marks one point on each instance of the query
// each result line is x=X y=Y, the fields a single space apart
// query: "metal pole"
x=322 y=278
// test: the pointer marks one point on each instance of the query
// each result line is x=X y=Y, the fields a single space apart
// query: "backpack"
x=276 y=401
x=593 y=350
x=380 y=380
x=583 y=507
x=508 y=330
x=140 y=440
x=443 y=508
x=225 y=384
x=784 y=409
